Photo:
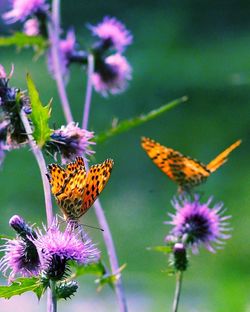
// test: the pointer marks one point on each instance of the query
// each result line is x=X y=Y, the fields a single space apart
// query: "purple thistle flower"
x=113 y=33
x=112 y=75
x=31 y=27
x=21 y=255
x=71 y=141
x=196 y=223
x=57 y=248
x=66 y=49
x=21 y=9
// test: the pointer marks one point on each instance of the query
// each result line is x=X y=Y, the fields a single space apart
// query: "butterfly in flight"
x=75 y=189
x=185 y=171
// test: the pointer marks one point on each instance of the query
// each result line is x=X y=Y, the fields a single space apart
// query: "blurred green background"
x=196 y=48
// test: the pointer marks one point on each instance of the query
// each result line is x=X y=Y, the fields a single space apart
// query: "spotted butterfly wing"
x=77 y=192
x=97 y=178
x=75 y=165
x=56 y=176
x=183 y=170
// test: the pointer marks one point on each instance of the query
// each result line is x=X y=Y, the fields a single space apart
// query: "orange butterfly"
x=183 y=170
x=75 y=189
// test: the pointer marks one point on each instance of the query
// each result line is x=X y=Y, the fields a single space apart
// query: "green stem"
x=179 y=277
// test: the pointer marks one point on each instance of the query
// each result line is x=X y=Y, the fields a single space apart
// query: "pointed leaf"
x=21 y=40
x=109 y=279
x=164 y=249
x=22 y=285
x=65 y=290
x=126 y=125
x=93 y=268
x=4 y=236
x=40 y=115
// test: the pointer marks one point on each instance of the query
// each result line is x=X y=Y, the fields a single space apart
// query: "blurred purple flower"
x=57 y=248
x=21 y=255
x=31 y=27
x=66 y=49
x=113 y=33
x=2 y=72
x=71 y=141
x=21 y=9
x=196 y=223
x=112 y=76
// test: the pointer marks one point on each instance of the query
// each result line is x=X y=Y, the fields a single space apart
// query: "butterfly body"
x=185 y=171
x=75 y=189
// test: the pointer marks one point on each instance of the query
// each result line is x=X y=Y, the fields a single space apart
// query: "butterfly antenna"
x=93 y=227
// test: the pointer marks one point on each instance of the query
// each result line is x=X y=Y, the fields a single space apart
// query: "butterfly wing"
x=75 y=165
x=185 y=171
x=222 y=157
x=97 y=178
x=56 y=176
x=67 y=185
x=71 y=199
x=75 y=190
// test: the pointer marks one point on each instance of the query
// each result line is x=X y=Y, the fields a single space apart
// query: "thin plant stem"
x=179 y=277
x=54 y=30
x=107 y=236
x=52 y=303
x=54 y=35
x=88 y=96
x=42 y=166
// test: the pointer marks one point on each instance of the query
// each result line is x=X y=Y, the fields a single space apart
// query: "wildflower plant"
x=50 y=259
x=193 y=225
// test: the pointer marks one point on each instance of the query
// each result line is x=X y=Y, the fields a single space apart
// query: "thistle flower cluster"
x=45 y=252
x=32 y=13
x=12 y=100
x=112 y=70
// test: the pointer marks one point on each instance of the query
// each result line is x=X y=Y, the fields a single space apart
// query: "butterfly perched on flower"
x=185 y=171
x=75 y=189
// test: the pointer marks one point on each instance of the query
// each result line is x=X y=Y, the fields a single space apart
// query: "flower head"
x=67 y=45
x=21 y=9
x=112 y=75
x=21 y=255
x=12 y=132
x=71 y=141
x=113 y=33
x=196 y=223
x=58 y=247
x=66 y=49
x=31 y=27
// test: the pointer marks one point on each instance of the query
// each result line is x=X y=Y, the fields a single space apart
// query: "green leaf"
x=22 y=285
x=99 y=270
x=109 y=279
x=164 y=249
x=3 y=236
x=22 y=40
x=93 y=268
x=134 y=122
x=40 y=115
x=64 y=289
